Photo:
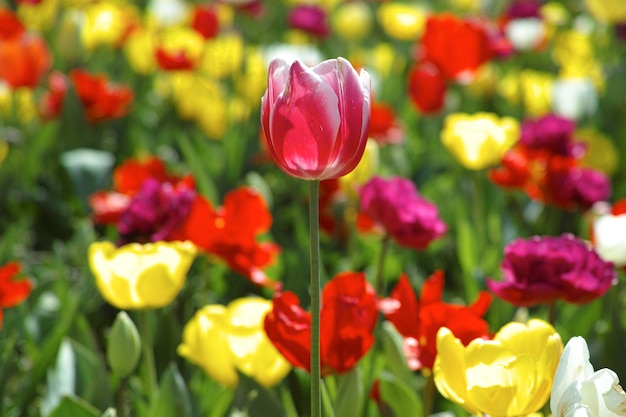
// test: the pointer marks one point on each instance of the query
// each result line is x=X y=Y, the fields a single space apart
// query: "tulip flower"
x=427 y=87
x=352 y=21
x=348 y=317
x=544 y=269
x=136 y=276
x=310 y=19
x=12 y=292
x=316 y=120
x=480 y=140
x=25 y=60
x=609 y=232
x=600 y=151
x=395 y=206
x=101 y=99
x=579 y=391
x=457 y=47
x=51 y=101
x=10 y=26
x=402 y=21
x=384 y=125
x=224 y=340
x=418 y=321
x=609 y=11
x=508 y=376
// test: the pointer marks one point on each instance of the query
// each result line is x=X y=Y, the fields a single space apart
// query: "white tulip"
x=525 y=34
x=578 y=391
x=610 y=237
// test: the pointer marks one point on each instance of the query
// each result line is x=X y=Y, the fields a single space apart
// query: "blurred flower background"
x=141 y=210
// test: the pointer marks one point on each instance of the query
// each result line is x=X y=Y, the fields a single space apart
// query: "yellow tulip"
x=402 y=21
x=508 y=376
x=136 y=276
x=352 y=21
x=19 y=103
x=38 y=17
x=139 y=51
x=601 y=154
x=478 y=141
x=608 y=11
x=536 y=91
x=225 y=339
x=223 y=55
x=107 y=23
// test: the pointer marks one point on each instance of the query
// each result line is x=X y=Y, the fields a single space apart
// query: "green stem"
x=121 y=398
x=149 y=367
x=428 y=395
x=316 y=374
x=379 y=282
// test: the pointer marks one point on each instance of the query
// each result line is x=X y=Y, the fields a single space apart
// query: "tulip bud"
x=124 y=347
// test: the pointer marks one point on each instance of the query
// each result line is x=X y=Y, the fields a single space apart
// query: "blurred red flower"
x=457 y=47
x=12 y=292
x=10 y=26
x=419 y=320
x=230 y=232
x=173 y=60
x=384 y=126
x=204 y=21
x=101 y=99
x=348 y=318
x=25 y=59
x=51 y=101
x=427 y=87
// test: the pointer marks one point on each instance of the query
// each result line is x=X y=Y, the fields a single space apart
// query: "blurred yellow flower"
x=478 y=141
x=508 y=376
x=226 y=339
x=466 y=5
x=40 y=16
x=608 y=11
x=574 y=53
x=223 y=55
x=4 y=150
x=352 y=21
x=366 y=169
x=536 y=91
x=139 y=51
x=601 y=152
x=136 y=276
x=182 y=40
x=252 y=81
x=485 y=81
x=198 y=98
x=107 y=23
x=24 y=108
x=402 y=21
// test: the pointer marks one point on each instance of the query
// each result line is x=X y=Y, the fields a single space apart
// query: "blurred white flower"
x=307 y=54
x=578 y=391
x=525 y=34
x=574 y=97
x=609 y=233
x=167 y=13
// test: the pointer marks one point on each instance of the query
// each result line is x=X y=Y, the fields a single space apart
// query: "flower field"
x=292 y=208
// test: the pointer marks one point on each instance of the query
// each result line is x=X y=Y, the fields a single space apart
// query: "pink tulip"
x=316 y=119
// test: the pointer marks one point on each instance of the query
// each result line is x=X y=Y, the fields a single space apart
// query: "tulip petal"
x=573 y=366
x=615 y=399
x=449 y=377
x=304 y=123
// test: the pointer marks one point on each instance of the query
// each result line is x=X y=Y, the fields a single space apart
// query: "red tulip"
x=10 y=26
x=12 y=292
x=419 y=320
x=316 y=119
x=24 y=60
x=458 y=47
x=205 y=21
x=229 y=232
x=51 y=101
x=348 y=317
x=427 y=88
x=101 y=99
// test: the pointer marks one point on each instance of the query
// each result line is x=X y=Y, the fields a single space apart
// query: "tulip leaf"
x=255 y=400
x=350 y=391
x=61 y=380
x=399 y=396
x=392 y=346
x=173 y=398
x=467 y=252
x=75 y=407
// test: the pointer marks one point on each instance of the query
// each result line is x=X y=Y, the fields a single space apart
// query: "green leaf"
x=109 y=412
x=256 y=400
x=75 y=407
x=399 y=396
x=173 y=398
x=350 y=392
x=392 y=347
x=61 y=379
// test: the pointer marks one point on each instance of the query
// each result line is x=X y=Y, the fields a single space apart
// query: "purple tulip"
x=310 y=19
x=544 y=269
x=401 y=211
x=316 y=119
x=551 y=132
x=155 y=211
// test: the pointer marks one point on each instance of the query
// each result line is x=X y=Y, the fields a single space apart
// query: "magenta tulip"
x=316 y=119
